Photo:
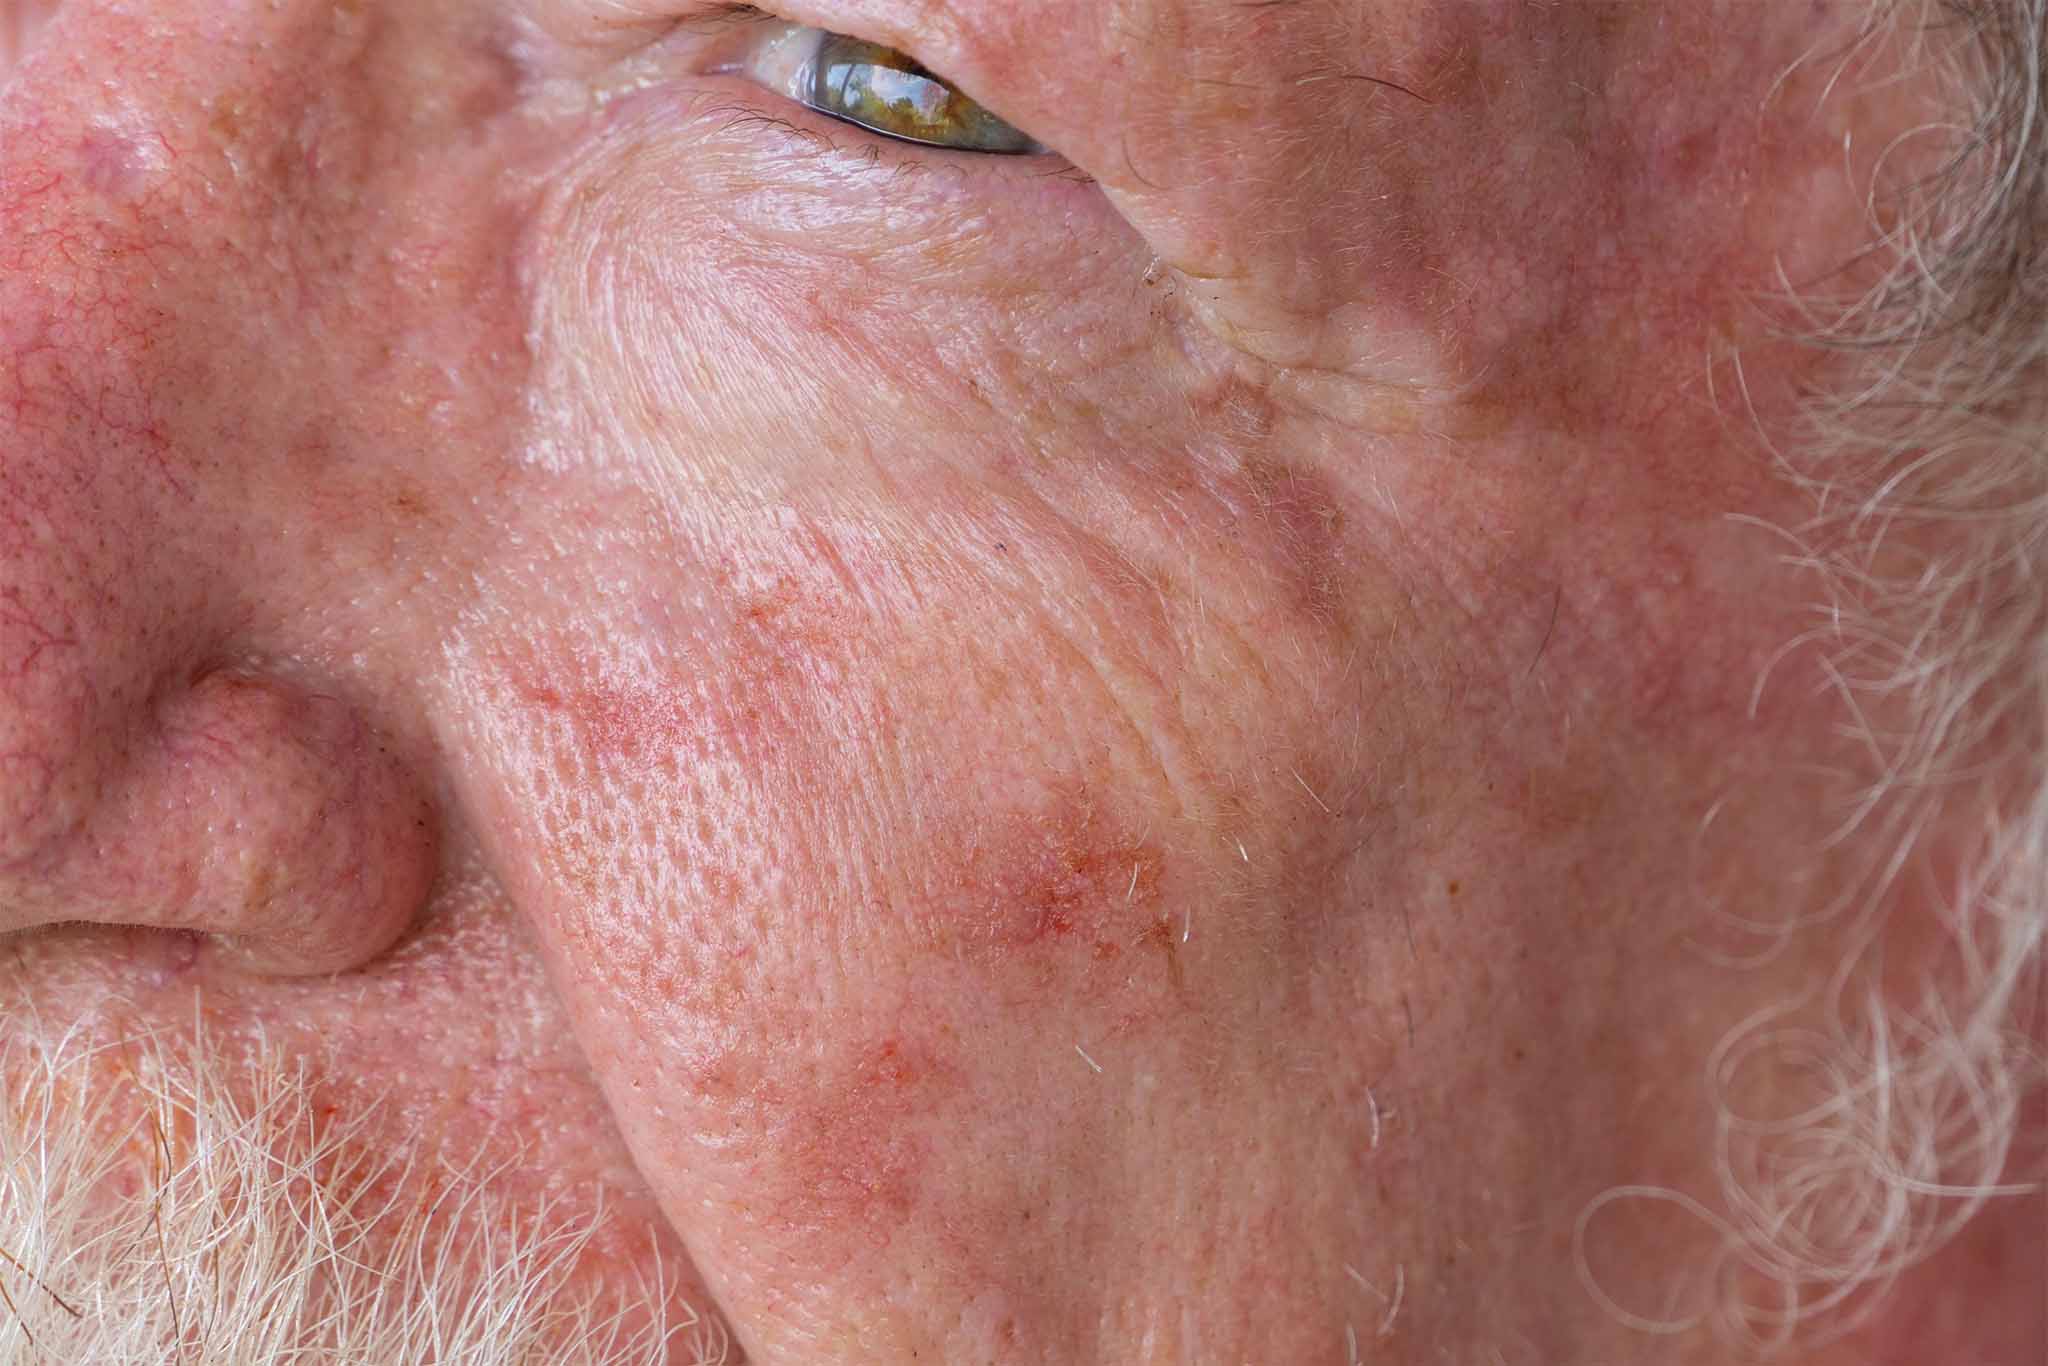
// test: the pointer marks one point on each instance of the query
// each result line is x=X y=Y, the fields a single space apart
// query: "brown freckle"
x=1160 y=933
x=261 y=890
x=1249 y=413
x=1452 y=889
x=226 y=123
x=1562 y=797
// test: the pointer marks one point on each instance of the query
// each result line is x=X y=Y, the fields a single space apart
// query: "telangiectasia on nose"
x=158 y=766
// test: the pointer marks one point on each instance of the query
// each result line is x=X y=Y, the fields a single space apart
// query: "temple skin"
x=1085 y=759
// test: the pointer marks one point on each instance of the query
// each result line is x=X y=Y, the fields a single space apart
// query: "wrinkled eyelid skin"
x=587 y=37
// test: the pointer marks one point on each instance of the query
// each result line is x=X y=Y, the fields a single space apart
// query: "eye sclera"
x=876 y=88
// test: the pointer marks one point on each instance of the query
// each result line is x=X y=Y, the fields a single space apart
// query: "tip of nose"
x=273 y=818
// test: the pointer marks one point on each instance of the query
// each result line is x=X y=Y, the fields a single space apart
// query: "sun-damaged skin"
x=1029 y=760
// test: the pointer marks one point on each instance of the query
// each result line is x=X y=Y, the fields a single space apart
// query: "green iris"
x=881 y=89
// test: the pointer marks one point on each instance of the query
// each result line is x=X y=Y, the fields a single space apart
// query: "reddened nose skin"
x=251 y=809
x=160 y=766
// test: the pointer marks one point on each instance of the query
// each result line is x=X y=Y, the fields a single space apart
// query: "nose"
x=167 y=758
x=20 y=21
x=238 y=805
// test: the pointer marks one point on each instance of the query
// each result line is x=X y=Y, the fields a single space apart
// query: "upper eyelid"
x=717 y=17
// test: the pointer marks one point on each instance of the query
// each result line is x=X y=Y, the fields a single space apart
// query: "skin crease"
x=1032 y=761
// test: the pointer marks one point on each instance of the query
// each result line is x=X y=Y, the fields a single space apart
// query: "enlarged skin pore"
x=1103 y=757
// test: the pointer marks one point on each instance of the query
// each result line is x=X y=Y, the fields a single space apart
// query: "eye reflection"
x=882 y=90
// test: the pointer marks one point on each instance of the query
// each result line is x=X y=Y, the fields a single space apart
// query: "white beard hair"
x=150 y=1215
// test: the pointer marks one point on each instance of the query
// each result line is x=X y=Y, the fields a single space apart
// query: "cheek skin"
x=970 y=699
x=971 y=694
x=867 y=759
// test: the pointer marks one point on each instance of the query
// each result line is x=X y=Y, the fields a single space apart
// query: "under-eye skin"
x=880 y=89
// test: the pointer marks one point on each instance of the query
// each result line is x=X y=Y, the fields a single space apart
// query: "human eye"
x=877 y=88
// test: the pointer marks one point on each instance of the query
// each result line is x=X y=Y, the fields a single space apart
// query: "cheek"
x=816 y=886
x=849 y=832
x=907 y=685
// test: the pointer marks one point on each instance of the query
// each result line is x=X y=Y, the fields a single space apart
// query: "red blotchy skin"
x=1039 y=877
x=903 y=720
x=860 y=1160
x=256 y=366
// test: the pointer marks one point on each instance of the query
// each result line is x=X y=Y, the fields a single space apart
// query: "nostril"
x=306 y=841
x=21 y=23
x=269 y=816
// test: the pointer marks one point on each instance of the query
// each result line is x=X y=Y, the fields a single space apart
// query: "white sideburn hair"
x=1928 y=469
x=152 y=1215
